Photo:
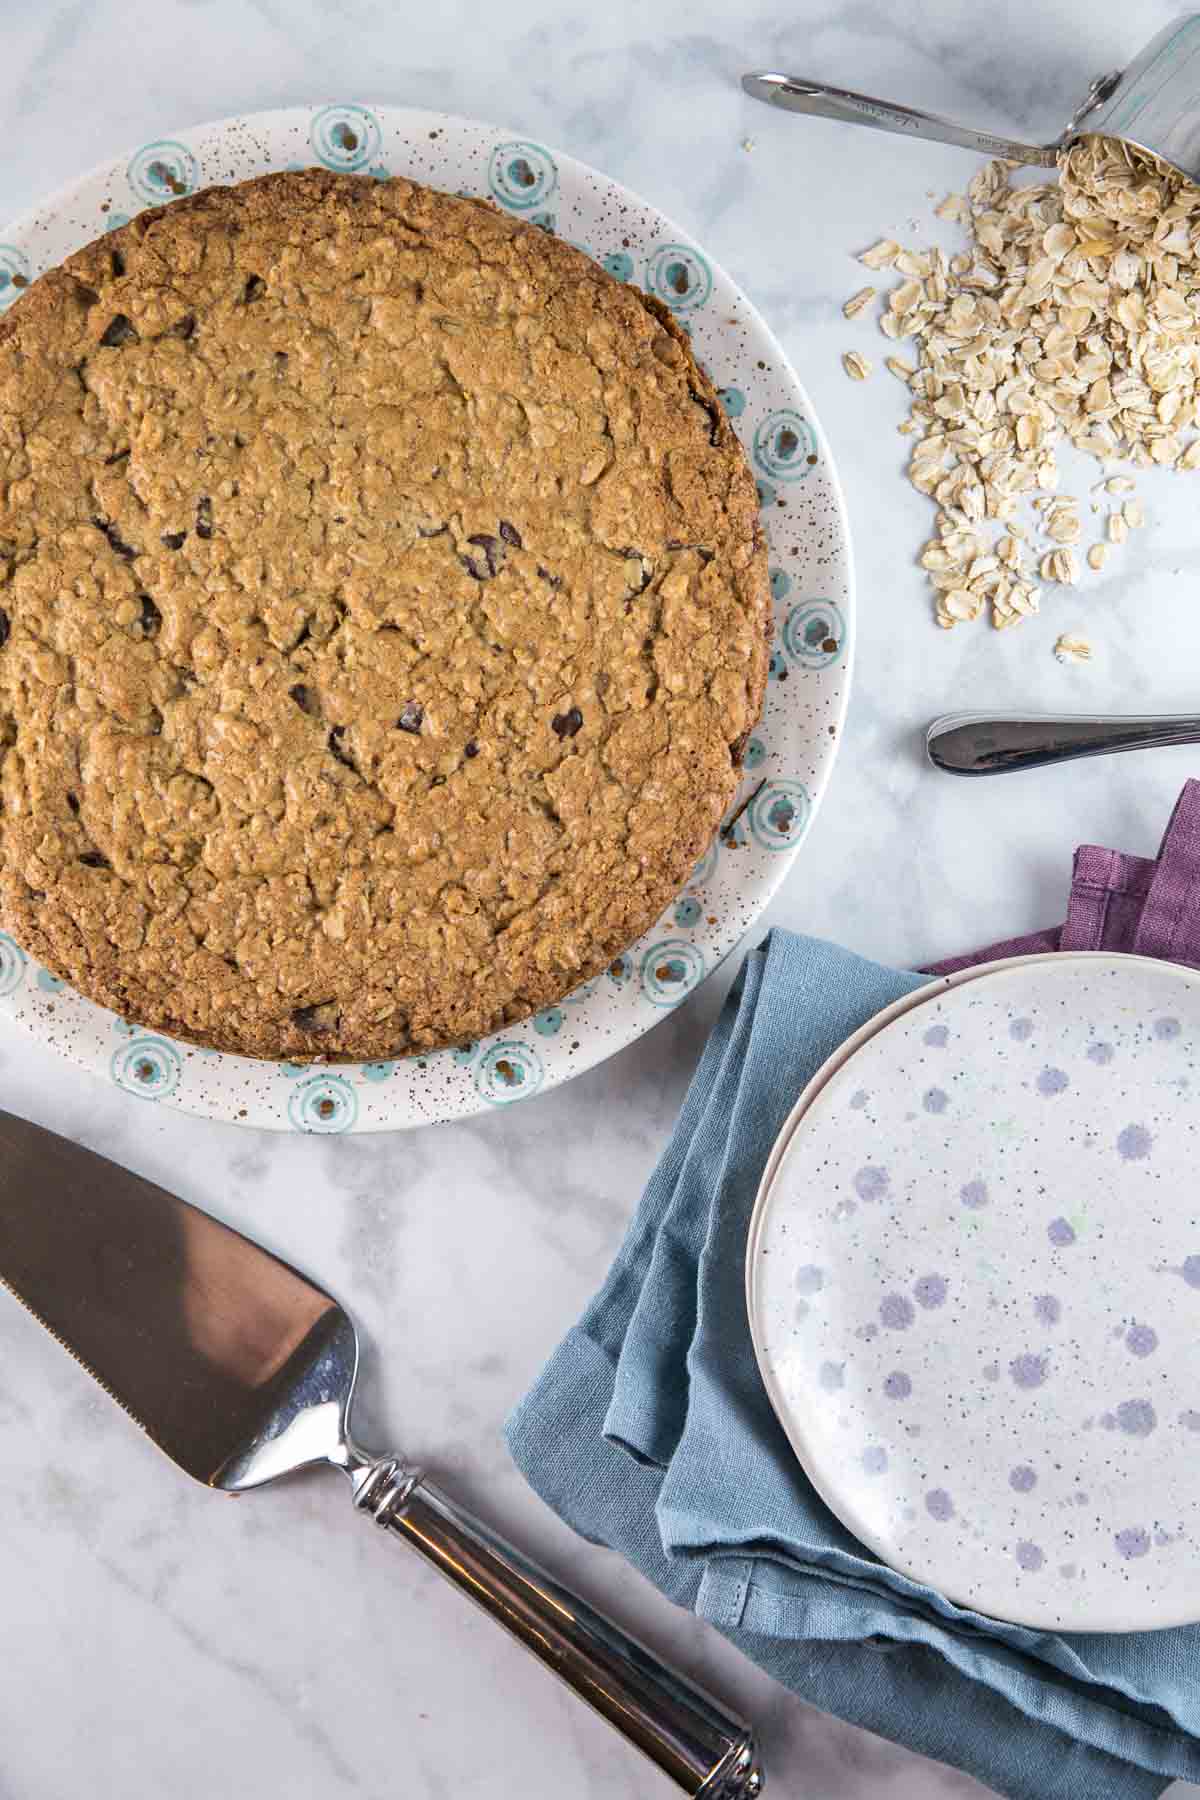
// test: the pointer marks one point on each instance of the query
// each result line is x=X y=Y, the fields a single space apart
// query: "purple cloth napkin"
x=1124 y=903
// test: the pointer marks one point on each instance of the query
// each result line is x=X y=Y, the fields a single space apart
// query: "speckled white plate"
x=974 y=1288
x=788 y=759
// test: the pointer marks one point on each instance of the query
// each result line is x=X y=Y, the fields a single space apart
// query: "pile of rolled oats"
x=1073 y=316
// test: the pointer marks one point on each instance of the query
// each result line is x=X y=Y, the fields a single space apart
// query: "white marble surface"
x=157 y=1641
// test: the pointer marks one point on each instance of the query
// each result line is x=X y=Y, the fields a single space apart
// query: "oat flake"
x=855 y=304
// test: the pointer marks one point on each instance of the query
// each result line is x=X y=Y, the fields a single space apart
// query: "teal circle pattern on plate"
x=679 y=277
x=377 y=1071
x=324 y=1103
x=49 y=984
x=12 y=965
x=687 y=911
x=507 y=1072
x=733 y=400
x=779 y=814
x=620 y=969
x=706 y=868
x=464 y=1055
x=781 y=584
x=619 y=264
x=814 y=634
x=756 y=754
x=163 y=170
x=149 y=1067
x=14 y=273
x=547 y=1023
x=783 y=445
x=522 y=175
x=671 y=970
x=345 y=137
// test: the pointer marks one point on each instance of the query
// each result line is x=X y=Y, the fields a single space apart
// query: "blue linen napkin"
x=650 y=1431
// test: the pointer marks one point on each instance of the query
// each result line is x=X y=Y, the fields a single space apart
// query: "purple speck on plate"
x=1028 y=1370
x=874 y=1459
x=896 y=1312
x=1132 y=1542
x=898 y=1385
x=939 y=1505
x=1021 y=1030
x=1134 y=1143
x=1029 y=1556
x=1136 y=1418
x=930 y=1291
x=1053 y=1081
x=935 y=1100
x=1022 y=1479
x=1047 y=1309
x=974 y=1194
x=871 y=1182
x=1101 y=1054
x=1060 y=1233
x=937 y=1037
x=1141 y=1340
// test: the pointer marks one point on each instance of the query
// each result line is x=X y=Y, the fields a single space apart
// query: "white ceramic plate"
x=789 y=756
x=975 y=1290
x=937 y=984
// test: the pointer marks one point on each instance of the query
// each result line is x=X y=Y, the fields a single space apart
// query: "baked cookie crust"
x=383 y=609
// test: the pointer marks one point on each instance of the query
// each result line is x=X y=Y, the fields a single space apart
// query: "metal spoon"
x=1152 y=103
x=993 y=743
x=795 y=94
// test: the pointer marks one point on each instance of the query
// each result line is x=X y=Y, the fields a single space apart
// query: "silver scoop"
x=1154 y=104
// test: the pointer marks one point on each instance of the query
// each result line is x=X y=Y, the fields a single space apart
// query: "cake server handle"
x=797 y=94
x=687 y=1735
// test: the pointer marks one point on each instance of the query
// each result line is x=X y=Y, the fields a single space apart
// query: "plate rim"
x=1065 y=1619
x=470 y=1103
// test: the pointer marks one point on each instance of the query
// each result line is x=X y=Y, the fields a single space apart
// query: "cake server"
x=1153 y=104
x=243 y=1371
